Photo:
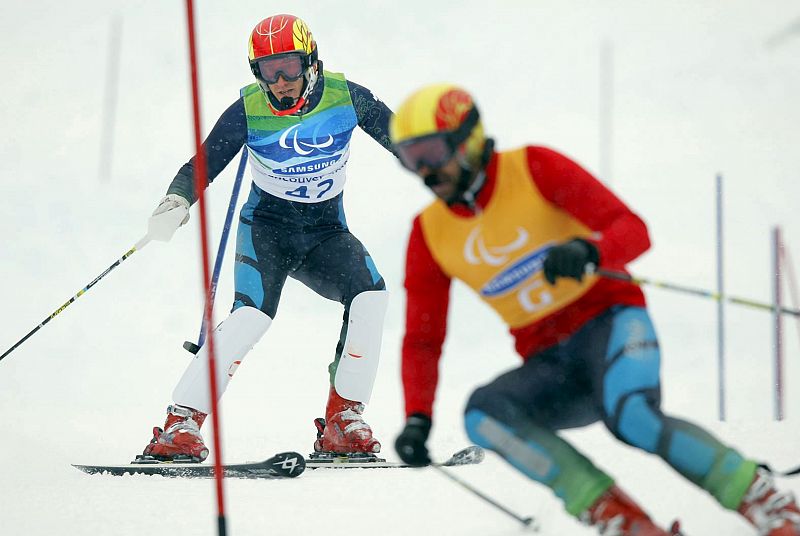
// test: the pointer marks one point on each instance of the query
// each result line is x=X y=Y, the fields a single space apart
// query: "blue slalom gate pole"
x=223 y=241
x=720 y=305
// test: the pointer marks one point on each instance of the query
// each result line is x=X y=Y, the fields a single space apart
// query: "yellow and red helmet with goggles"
x=282 y=45
x=436 y=123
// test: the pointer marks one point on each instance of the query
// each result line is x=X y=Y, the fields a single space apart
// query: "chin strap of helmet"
x=286 y=103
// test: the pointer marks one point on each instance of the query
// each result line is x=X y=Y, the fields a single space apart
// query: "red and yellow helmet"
x=440 y=110
x=280 y=34
x=282 y=45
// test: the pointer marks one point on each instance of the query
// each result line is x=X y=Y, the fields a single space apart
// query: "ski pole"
x=526 y=521
x=639 y=281
x=223 y=241
x=785 y=473
x=139 y=245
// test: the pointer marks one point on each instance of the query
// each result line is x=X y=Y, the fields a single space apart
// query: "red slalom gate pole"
x=200 y=181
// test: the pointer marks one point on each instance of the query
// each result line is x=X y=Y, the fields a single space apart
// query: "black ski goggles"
x=291 y=66
x=433 y=151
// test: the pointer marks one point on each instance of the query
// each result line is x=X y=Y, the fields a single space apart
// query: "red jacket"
x=622 y=236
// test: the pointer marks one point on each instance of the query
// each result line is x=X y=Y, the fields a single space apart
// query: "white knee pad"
x=358 y=364
x=233 y=338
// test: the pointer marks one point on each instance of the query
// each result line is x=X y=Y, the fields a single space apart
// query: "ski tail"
x=287 y=464
x=281 y=465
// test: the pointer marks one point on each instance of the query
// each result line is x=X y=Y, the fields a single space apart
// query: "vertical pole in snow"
x=720 y=305
x=777 y=246
x=110 y=99
x=606 y=106
x=200 y=182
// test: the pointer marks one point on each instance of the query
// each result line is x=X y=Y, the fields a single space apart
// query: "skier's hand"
x=569 y=260
x=410 y=444
x=172 y=212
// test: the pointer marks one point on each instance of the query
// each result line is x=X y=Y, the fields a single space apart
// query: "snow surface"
x=698 y=91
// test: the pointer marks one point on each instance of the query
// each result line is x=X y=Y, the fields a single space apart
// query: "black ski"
x=283 y=465
x=468 y=456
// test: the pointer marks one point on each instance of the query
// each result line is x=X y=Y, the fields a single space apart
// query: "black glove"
x=569 y=260
x=410 y=444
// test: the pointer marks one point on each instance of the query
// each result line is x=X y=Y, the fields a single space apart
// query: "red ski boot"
x=343 y=430
x=771 y=512
x=616 y=514
x=180 y=439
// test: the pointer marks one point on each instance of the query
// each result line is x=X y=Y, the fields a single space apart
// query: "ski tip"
x=477 y=453
x=471 y=455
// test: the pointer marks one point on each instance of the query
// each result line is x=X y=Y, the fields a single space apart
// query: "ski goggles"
x=291 y=66
x=432 y=151
x=435 y=150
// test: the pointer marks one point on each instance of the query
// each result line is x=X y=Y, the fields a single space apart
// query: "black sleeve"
x=221 y=146
x=373 y=115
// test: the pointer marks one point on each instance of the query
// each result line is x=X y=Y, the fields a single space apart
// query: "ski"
x=467 y=456
x=283 y=465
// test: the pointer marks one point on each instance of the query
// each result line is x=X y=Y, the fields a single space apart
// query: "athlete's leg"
x=340 y=269
x=628 y=391
x=518 y=414
x=260 y=271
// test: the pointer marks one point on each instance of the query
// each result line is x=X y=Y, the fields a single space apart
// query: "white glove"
x=172 y=212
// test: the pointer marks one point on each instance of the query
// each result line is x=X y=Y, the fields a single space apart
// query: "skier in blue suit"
x=296 y=121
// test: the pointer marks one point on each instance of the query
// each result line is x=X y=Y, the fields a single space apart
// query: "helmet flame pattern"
x=438 y=108
x=279 y=34
x=284 y=34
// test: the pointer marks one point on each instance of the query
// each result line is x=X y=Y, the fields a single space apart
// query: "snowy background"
x=700 y=88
